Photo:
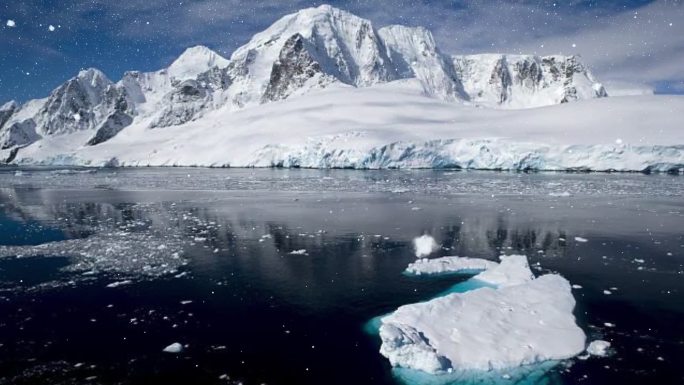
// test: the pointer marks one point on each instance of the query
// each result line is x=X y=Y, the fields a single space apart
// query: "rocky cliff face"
x=524 y=81
x=304 y=51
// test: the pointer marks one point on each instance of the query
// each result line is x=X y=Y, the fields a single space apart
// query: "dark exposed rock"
x=115 y=122
x=501 y=79
x=185 y=103
x=294 y=67
x=216 y=78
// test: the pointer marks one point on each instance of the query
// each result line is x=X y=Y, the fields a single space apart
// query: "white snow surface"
x=194 y=61
x=486 y=328
x=394 y=125
x=424 y=245
x=450 y=264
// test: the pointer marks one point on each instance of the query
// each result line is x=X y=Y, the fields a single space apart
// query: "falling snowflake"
x=11 y=23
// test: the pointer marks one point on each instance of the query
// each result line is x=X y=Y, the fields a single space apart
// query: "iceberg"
x=598 y=348
x=522 y=320
x=424 y=245
x=174 y=348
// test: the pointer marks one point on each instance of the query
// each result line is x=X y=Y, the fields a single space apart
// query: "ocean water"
x=100 y=270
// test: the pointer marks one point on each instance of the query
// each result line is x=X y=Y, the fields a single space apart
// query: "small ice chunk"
x=424 y=245
x=576 y=286
x=449 y=265
x=298 y=252
x=174 y=348
x=11 y=23
x=51 y=28
x=607 y=292
x=120 y=283
x=598 y=348
x=563 y=194
x=582 y=240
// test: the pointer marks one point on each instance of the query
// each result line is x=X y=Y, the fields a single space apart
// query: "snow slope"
x=395 y=125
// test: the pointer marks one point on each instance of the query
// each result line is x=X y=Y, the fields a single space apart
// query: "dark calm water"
x=202 y=257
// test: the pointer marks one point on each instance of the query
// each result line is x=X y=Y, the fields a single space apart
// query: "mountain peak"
x=195 y=60
x=11 y=105
x=92 y=75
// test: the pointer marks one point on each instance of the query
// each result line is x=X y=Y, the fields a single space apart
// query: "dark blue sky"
x=630 y=45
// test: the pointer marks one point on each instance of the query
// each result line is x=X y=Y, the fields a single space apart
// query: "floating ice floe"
x=598 y=348
x=298 y=252
x=174 y=348
x=120 y=283
x=522 y=320
x=424 y=245
x=581 y=240
x=449 y=265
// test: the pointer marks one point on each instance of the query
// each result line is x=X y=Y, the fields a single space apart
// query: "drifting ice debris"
x=581 y=240
x=424 y=245
x=298 y=252
x=174 y=348
x=128 y=254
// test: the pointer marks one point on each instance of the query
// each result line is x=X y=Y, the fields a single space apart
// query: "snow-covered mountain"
x=301 y=54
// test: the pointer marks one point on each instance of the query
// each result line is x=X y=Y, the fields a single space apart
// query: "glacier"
x=323 y=88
